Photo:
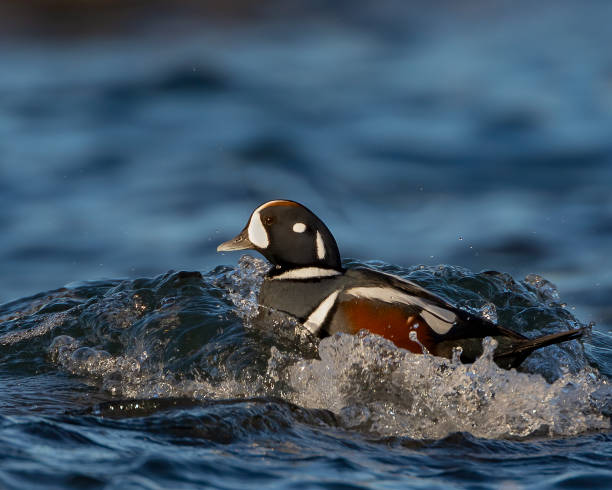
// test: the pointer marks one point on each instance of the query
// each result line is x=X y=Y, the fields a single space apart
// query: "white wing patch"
x=320 y=247
x=437 y=325
x=316 y=319
x=439 y=319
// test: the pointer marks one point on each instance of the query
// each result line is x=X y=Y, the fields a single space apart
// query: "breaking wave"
x=184 y=335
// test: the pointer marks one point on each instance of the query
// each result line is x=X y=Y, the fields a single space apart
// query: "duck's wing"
x=446 y=326
x=445 y=320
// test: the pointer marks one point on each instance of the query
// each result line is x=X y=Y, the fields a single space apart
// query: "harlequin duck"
x=308 y=282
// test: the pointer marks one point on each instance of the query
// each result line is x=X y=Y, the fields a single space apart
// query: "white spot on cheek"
x=320 y=247
x=258 y=235
x=299 y=227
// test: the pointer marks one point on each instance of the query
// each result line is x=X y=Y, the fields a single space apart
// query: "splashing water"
x=187 y=335
x=379 y=388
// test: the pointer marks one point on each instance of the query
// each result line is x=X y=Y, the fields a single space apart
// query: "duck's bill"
x=240 y=242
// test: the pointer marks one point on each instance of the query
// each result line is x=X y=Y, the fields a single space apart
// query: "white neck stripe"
x=307 y=273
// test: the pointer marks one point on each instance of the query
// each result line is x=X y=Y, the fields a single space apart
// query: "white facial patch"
x=320 y=247
x=299 y=227
x=317 y=318
x=439 y=319
x=258 y=235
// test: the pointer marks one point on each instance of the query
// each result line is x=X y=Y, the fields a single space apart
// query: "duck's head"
x=289 y=235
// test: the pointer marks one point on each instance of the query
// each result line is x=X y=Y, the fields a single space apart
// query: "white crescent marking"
x=258 y=235
x=320 y=247
x=316 y=319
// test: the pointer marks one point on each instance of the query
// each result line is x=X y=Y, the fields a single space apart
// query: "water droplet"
x=457 y=351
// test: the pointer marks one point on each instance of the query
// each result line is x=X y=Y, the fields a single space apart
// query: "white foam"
x=376 y=387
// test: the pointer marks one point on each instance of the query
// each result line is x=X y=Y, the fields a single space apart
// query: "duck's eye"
x=268 y=220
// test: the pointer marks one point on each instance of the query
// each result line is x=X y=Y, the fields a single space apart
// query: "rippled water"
x=476 y=136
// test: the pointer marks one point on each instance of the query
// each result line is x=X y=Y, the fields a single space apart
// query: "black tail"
x=513 y=356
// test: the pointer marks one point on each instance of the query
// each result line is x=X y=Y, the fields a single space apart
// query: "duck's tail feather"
x=518 y=352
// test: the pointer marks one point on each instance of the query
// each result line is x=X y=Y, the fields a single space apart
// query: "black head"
x=288 y=235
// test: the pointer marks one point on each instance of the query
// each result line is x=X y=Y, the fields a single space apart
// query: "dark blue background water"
x=476 y=136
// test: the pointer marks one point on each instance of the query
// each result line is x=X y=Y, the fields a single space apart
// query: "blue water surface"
x=475 y=136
